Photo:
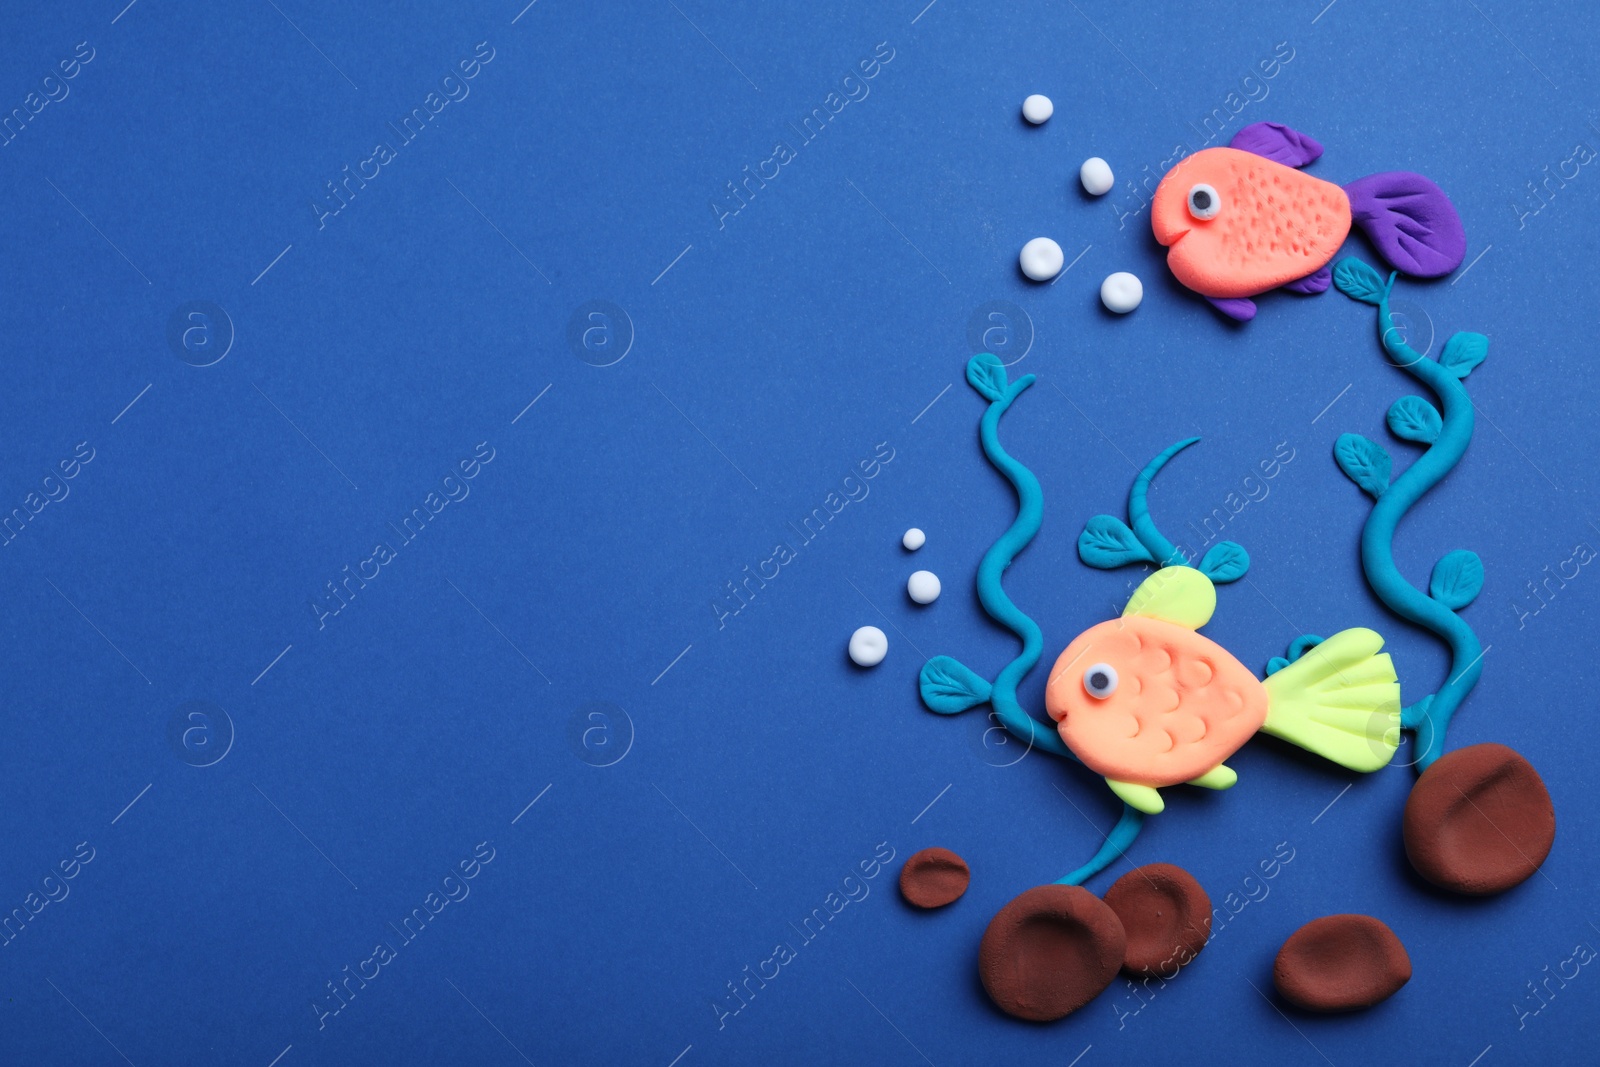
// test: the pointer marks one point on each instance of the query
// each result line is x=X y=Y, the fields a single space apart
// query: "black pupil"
x=1202 y=199
x=1098 y=680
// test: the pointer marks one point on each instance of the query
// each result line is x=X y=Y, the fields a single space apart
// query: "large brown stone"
x=1165 y=915
x=1479 y=821
x=1050 y=951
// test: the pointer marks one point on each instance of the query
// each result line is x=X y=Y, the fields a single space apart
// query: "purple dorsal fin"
x=1315 y=282
x=1410 y=220
x=1237 y=308
x=1277 y=142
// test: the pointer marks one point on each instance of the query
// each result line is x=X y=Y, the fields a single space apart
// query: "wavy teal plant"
x=1107 y=542
x=949 y=687
x=1458 y=576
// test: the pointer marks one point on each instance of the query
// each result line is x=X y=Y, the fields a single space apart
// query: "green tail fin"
x=1339 y=700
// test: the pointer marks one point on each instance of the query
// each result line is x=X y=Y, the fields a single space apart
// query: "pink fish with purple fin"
x=1241 y=220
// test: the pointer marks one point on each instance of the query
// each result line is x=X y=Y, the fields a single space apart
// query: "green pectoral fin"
x=1221 y=776
x=1142 y=797
x=1179 y=595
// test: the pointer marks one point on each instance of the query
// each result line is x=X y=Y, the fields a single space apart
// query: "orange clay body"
x=1182 y=707
x=1276 y=224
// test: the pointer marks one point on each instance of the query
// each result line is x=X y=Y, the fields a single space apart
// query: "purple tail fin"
x=1411 y=221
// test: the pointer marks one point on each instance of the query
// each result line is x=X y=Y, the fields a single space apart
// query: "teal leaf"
x=1414 y=419
x=1364 y=462
x=1358 y=281
x=1276 y=664
x=1457 y=579
x=1412 y=715
x=1463 y=352
x=987 y=375
x=1106 y=542
x=1226 y=561
x=949 y=687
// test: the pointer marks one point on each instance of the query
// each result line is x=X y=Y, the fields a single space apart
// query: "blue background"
x=748 y=767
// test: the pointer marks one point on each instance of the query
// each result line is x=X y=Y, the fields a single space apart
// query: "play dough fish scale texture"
x=1276 y=224
x=1182 y=704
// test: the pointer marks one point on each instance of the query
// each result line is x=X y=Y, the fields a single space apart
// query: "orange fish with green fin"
x=1147 y=702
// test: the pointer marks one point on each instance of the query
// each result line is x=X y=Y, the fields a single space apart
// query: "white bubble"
x=914 y=539
x=1041 y=259
x=1037 y=109
x=868 y=646
x=1121 y=292
x=1096 y=176
x=923 y=587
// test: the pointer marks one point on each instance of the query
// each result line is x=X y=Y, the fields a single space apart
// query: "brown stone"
x=1479 y=821
x=1341 y=963
x=1165 y=915
x=1050 y=951
x=934 y=877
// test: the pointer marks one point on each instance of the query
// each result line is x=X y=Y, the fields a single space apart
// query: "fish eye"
x=1100 y=680
x=1204 y=203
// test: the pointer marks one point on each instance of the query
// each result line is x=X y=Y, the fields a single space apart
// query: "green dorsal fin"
x=1180 y=595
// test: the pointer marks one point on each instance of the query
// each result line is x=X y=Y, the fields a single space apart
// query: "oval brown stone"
x=1479 y=821
x=1050 y=951
x=1165 y=915
x=934 y=877
x=1341 y=963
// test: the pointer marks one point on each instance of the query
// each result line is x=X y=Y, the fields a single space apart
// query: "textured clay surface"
x=1165 y=916
x=1049 y=952
x=1183 y=703
x=1275 y=224
x=934 y=877
x=1479 y=821
x=1341 y=963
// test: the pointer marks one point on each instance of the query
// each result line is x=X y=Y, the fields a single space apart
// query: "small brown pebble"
x=1166 y=916
x=1050 y=951
x=1479 y=821
x=934 y=877
x=1341 y=963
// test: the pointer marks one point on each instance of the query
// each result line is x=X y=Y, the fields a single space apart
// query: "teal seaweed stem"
x=949 y=687
x=991 y=592
x=1163 y=553
x=1447 y=439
